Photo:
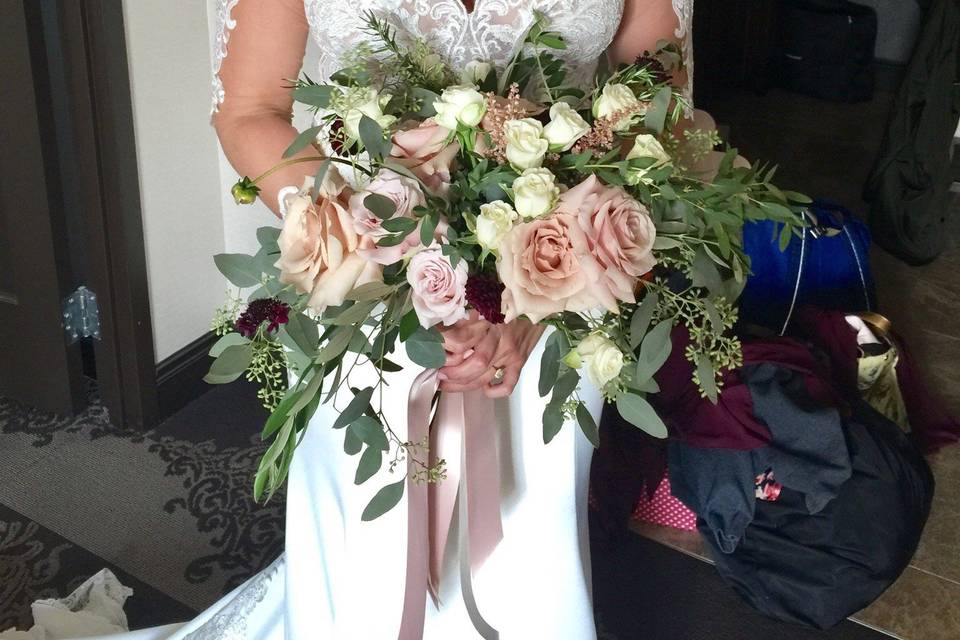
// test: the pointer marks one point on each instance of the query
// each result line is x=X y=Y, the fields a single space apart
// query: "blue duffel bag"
x=827 y=267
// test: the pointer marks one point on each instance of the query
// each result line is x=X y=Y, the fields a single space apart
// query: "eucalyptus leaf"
x=316 y=95
x=637 y=411
x=228 y=340
x=356 y=314
x=369 y=465
x=371 y=291
x=356 y=408
x=385 y=500
x=304 y=332
x=552 y=422
x=267 y=237
x=642 y=317
x=352 y=444
x=230 y=365
x=336 y=345
x=430 y=355
x=279 y=415
x=656 y=115
x=302 y=141
x=565 y=386
x=706 y=374
x=380 y=206
x=372 y=137
x=705 y=273
x=549 y=366
x=654 y=351
x=240 y=269
x=370 y=431
x=665 y=243
x=588 y=425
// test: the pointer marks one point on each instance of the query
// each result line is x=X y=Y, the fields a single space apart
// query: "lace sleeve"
x=684 y=33
x=221 y=36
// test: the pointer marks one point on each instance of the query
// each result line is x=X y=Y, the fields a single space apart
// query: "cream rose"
x=546 y=267
x=365 y=102
x=646 y=146
x=438 y=289
x=460 y=104
x=494 y=221
x=619 y=231
x=318 y=245
x=526 y=145
x=427 y=151
x=614 y=98
x=475 y=72
x=535 y=192
x=566 y=126
x=405 y=194
x=602 y=359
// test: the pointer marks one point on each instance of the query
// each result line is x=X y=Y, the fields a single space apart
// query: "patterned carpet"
x=168 y=510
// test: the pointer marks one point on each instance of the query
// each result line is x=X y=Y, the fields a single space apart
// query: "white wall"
x=185 y=180
x=169 y=57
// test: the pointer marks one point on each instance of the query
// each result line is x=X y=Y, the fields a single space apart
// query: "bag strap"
x=796 y=286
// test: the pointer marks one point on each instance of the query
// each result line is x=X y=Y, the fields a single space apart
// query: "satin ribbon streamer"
x=463 y=435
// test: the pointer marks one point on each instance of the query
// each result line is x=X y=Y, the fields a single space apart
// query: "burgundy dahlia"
x=264 y=310
x=484 y=294
x=338 y=138
x=654 y=66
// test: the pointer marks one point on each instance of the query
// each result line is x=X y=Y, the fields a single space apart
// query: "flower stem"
x=293 y=161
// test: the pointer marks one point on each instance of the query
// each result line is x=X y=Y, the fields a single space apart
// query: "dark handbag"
x=827 y=267
x=827 y=49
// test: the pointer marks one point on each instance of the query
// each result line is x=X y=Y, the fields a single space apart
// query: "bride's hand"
x=517 y=340
x=470 y=344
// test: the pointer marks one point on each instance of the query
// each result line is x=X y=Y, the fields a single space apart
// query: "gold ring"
x=498 y=374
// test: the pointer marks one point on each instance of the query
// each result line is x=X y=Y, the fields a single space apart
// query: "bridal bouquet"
x=513 y=195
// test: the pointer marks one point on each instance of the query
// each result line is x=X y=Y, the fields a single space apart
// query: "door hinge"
x=81 y=315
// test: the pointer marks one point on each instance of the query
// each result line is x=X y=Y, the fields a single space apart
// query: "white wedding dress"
x=343 y=579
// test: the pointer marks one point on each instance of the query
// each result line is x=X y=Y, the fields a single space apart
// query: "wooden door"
x=38 y=365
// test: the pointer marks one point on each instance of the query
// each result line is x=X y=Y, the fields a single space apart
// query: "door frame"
x=101 y=111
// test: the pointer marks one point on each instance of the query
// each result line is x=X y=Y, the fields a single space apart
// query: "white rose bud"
x=494 y=221
x=366 y=102
x=616 y=97
x=646 y=146
x=566 y=126
x=475 y=72
x=535 y=192
x=526 y=145
x=460 y=104
x=602 y=358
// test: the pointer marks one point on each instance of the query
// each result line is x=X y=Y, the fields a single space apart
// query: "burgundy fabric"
x=730 y=423
x=931 y=425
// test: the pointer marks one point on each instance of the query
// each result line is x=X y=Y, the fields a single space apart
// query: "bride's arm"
x=644 y=23
x=264 y=51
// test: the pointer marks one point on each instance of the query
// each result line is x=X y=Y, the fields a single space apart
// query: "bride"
x=341 y=578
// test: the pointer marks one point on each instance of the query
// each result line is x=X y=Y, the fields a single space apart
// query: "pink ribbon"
x=462 y=434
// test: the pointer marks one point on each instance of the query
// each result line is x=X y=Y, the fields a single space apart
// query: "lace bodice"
x=490 y=32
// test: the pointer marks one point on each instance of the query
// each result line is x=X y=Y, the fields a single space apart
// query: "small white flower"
x=566 y=126
x=616 y=97
x=526 y=145
x=460 y=104
x=365 y=102
x=602 y=358
x=646 y=146
x=494 y=221
x=475 y=72
x=535 y=192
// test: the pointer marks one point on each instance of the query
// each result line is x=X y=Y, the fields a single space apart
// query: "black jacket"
x=909 y=186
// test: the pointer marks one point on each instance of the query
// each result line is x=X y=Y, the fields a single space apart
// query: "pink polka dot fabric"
x=663 y=509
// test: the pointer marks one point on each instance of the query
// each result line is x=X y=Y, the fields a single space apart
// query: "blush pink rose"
x=318 y=246
x=427 y=152
x=438 y=289
x=619 y=230
x=546 y=267
x=405 y=194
